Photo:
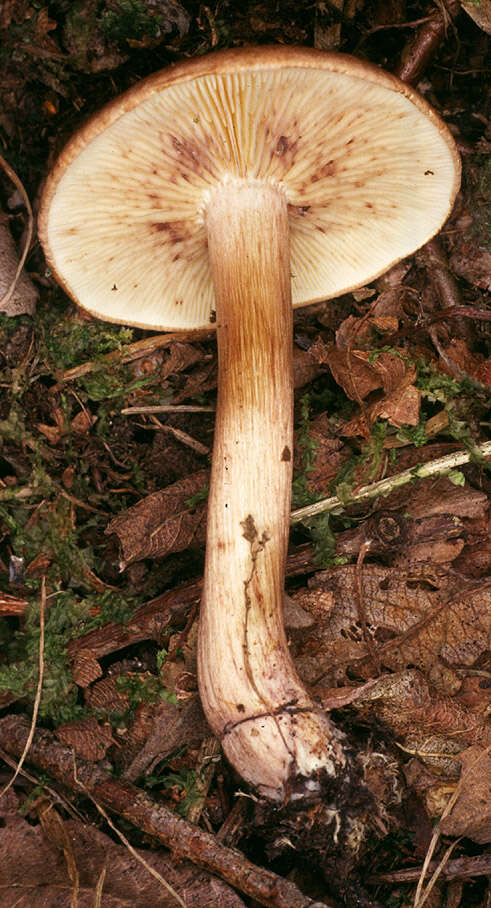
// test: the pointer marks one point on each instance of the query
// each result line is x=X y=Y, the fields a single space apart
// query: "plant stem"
x=436 y=467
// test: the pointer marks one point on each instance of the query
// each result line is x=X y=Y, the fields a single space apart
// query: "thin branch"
x=458 y=869
x=168 y=408
x=130 y=353
x=133 y=851
x=184 y=839
x=437 y=467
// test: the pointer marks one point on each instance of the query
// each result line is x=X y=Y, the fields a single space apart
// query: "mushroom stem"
x=252 y=696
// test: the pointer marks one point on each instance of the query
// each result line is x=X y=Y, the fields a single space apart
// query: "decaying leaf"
x=173 y=726
x=471 y=813
x=329 y=453
x=406 y=704
x=412 y=619
x=87 y=737
x=34 y=872
x=163 y=522
x=180 y=357
x=99 y=37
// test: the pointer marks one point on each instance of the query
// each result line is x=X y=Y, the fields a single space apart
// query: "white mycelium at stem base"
x=251 y=693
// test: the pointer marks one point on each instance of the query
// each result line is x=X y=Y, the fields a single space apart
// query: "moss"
x=66 y=617
x=307 y=449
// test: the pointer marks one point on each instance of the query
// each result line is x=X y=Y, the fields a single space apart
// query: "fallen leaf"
x=329 y=453
x=180 y=357
x=34 y=872
x=87 y=737
x=406 y=704
x=471 y=814
x=173 y=726
x=82 y=422
x=480 y=12
x=401 y=408
x=413 y=619
x=104 y=695
x=352 y=371
x=163 y=522
x=361 y=331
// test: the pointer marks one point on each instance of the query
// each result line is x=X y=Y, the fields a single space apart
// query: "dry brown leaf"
x=134 y=738
x=412 y=618
x=56 y=833
x=360 y=331
x=87 y=737
x=329 y=454
x=471 y=814
x=406 y=704
x=480 y=12
x=352 y=371
x=173 y=726
x=459 y=354
x=438 y=551
x=305 y=367
x=475 y=695
x=401 y=408
x=82 y=422
x=200 y=380
x=34 y=873
x=163 y=522
x=180 y=357
x=483 y=373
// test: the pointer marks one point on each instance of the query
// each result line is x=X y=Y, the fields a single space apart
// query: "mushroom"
x=221 y=191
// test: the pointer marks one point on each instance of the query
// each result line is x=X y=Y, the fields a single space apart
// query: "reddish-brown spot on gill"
x=177 y=231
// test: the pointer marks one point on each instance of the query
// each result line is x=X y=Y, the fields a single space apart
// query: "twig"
x=39 y=689
x=29 y=230
x=167 y=408
x=183 y=838
x=151 y=870
x=436 y=467
x=458 y=869
x=181 y=436
x=372 y=652
x=477 y=315
x=131 y=352
x=421 y=896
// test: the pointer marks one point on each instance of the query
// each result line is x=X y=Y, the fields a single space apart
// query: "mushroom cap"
x=368 y=169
